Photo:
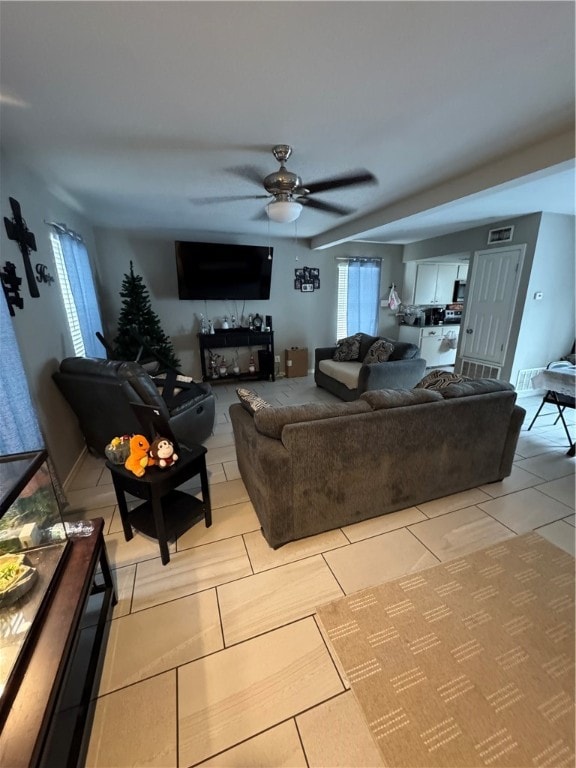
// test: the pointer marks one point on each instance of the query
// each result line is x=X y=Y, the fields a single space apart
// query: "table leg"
x=205 y=493
x=123 y=508
x=158 y=514
x=106 y=574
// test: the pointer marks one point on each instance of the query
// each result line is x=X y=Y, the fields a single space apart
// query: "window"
x=69 y=306
x=78 y=292
x=358 y=297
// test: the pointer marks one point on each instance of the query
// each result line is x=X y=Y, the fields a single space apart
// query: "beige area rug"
x=468 y=663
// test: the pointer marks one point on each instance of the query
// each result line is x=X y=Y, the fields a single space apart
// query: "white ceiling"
x=131 y=110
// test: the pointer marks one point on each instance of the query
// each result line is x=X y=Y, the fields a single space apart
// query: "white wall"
x=299 y=319
x=540 y=331
x=547 y=330
x=41 y=327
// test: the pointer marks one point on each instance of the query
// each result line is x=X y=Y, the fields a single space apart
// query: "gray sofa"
x=348 y=380
x=316 y=467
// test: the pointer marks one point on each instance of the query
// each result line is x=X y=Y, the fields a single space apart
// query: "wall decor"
x=11 y=285
x=42 y=274
x=17 y=230
x=307 y=279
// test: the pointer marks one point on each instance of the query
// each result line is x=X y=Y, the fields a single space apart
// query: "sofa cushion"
x=440 y=379
x=396 y=398
x=348 y=349
x=271 y=421
x=251 y=401
x=475 y=387
x=379 y=352
x=404 y=350
x=366 y=342
x=345 y=373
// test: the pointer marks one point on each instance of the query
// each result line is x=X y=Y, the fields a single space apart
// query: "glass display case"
x=33 y=546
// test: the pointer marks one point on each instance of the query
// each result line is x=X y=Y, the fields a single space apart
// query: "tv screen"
x=221 y=271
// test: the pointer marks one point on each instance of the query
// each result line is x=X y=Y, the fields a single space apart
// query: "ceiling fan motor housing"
x=283 y=182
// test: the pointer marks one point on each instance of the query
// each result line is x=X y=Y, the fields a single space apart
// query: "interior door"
x=492 y=291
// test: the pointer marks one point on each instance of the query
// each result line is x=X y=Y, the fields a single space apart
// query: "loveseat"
x=351 y=375
x=315 y=467
x=101 y=393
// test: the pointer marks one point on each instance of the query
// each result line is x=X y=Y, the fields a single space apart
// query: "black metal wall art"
x=42 y=274
x=11 y=285
x=17 y=230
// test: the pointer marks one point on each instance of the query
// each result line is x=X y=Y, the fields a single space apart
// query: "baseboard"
x=75 y=468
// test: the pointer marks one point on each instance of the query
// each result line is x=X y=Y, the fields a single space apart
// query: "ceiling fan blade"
x=249 y=173
x=226 y=199
x=337 y=182
x=310 y=202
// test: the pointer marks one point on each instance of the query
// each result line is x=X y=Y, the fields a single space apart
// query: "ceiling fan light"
x=283 y=211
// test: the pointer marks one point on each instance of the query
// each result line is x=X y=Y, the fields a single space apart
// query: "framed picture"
x=501 y=235
x=307 y=279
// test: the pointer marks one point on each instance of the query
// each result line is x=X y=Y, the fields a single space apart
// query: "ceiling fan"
x=287 y=193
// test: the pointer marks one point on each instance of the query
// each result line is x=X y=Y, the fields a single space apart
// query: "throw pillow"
x=440 y=379
x=348 y=349
x=475 y=387
x=379 y=352
x=251 y=401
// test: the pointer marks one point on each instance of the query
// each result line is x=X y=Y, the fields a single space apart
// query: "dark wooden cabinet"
x=231 y=338
x=46 y=711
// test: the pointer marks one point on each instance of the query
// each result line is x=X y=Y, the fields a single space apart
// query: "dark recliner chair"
x=101 y=394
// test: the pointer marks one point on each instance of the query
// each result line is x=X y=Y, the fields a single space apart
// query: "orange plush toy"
x=138 y=459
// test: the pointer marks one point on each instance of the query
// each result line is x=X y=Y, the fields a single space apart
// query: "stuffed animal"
x=138 y=459
x=162 y=452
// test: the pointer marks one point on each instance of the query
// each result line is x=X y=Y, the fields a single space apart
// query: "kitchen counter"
x=436 y=342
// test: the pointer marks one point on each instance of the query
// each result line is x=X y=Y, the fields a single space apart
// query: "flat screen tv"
x=223 y=271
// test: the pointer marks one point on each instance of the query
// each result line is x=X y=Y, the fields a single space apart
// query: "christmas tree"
x=137 y=315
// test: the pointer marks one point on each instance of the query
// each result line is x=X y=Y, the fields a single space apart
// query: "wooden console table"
x=237 y=337
x=47 y=705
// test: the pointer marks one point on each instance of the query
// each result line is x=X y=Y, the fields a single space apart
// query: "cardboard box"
x=296 y=361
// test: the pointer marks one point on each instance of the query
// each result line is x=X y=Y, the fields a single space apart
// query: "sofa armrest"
x=392 y=374
x=323 y=353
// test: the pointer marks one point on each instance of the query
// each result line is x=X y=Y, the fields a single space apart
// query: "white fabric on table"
x=559 y=378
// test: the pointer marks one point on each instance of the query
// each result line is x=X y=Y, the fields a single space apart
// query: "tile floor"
x=217 y=659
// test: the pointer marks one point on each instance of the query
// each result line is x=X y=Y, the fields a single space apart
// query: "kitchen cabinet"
x=435 y=283
x=462 y=272
x=435 y=342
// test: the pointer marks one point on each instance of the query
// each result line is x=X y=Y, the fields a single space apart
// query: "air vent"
x=525 y=376
x=478 y=370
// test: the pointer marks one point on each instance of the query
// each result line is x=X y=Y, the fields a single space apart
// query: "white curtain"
x=81 y=281
x=19 y=429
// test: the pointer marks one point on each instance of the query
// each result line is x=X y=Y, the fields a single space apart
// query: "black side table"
x=166 y=513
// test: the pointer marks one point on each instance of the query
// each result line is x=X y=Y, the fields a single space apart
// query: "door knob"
x=469 y=330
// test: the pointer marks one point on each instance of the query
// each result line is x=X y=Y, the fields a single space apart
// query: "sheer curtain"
x=79 y=272
x=363 y=296
x=19 y=429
